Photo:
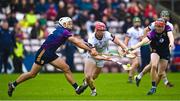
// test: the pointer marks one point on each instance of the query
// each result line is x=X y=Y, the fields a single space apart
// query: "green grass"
x=112 y=86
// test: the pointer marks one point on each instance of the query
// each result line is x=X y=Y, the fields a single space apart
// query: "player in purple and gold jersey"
x=46 y=54
x=165 y=15
x=161 y=41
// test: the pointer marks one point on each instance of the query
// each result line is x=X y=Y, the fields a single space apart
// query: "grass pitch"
x=111 y=86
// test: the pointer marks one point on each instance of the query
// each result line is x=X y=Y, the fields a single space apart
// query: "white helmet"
x=63 y=20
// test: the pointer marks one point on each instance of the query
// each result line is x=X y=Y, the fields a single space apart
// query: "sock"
x=140 y=75
x=94 y=90
x=165 y=80
x=153 y=84
x=84 y=82
x=14 y=84
x=75 y=85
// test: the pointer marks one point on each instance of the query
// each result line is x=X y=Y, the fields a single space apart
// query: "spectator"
x=86 y=5
x=52 y=2
x=35 y=31
x=82 y=17
x=14 y=5
x=40 y=7
x=7 y=43
x=128 y=23
x=31 y=18
x=18 y=53
x=11 y=18
x=83 y=32
x=70 y=10
x=121 y=12
x=108 y=12
x=32 y=5
x=149 y=11
x=42 y=20
x=61 y=10
x=23 y=23
x=115 y=4
x=23 y=7
x=39 y=31
x=133 y=8
x=43 y=31
x=51 y=13
x=90 y=24
x=96 y=11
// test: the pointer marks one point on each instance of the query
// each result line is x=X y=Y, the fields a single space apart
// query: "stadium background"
x=31 y=21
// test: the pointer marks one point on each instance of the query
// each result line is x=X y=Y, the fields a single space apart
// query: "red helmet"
x=160 y=22
x=100 y=26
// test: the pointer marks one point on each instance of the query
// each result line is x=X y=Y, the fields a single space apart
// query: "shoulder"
x=151 y=34
x=130 y=29
x=107 y=33
x=168 y=28
x=170 y=25
x=151 y=25
x=91 y=37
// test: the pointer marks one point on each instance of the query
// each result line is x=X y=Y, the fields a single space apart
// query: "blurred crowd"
x=35 y=19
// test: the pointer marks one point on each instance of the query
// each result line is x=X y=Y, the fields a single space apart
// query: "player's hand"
x=107 y=58
x=93 y=52
x=171 y=46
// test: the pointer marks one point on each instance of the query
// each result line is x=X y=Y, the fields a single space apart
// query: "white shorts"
x=99 y=63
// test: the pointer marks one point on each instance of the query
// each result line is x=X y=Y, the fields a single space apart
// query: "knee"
x=160 y=75
x=153 y=66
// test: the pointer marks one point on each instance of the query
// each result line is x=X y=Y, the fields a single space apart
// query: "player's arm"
x=100 y=57
x=126 y=40
x=171 y=39
x=144 y=41
x=119 y=43
x=81 y=44
x=146 y=30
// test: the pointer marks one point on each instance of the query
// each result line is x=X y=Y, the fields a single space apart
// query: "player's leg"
x=166 y=81
x=135 y=63
x=96 y=73
x=161 y=70
x=89 y=64
x=146 y=69
x=61 y=64
x=154 y=64
x=23 y=77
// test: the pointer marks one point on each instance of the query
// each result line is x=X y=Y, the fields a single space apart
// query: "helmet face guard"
x=160 y=25
x=100 y=26
x=165 y=14
x=136 y=22
x=66 y=22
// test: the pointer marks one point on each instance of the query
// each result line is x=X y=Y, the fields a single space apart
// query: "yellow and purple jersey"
x=56 y=39
x=46 y=53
